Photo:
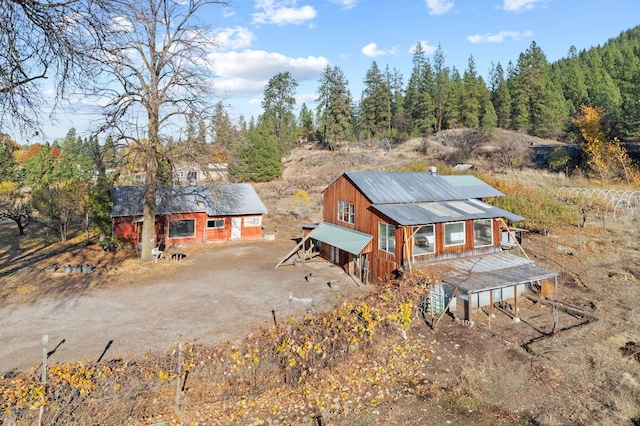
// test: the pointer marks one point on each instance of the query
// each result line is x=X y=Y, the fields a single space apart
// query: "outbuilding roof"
x=418 y=187
x=215 y=200
x=472 y=187
x=481 y=273
x=442 y=211
x=403 y=187
x=344 y=238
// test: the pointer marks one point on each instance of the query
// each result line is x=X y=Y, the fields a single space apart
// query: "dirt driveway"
x=218 y=292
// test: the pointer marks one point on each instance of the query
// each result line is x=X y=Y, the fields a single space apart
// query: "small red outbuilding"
x=190 y=214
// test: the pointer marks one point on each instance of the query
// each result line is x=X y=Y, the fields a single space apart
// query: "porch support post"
x=491 y=314
x=516 y=317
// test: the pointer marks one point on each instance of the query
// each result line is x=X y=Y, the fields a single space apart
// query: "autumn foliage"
x=328 y=362
x=607 y=160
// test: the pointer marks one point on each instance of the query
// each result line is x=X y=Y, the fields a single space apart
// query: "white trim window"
x=253 y=221
x=482 y=232
x=424 y=240
x=346 y=212
x=387 y=237
x=454 y=234
x=183 y=228
x=215 y=223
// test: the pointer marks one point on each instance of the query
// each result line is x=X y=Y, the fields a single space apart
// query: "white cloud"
x=499 y=38
x=371 y=50
x=520 y=5
x=233 y=38
x=306 y=98
x=282 y=12
x=248 y=71
x=346 y=4
x=439 y=7
x=121 y=23
x=428 y=50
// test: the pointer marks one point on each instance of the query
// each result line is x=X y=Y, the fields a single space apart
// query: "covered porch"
x=481 y=281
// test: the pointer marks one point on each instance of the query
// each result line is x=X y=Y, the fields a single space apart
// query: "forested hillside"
x=529 y=95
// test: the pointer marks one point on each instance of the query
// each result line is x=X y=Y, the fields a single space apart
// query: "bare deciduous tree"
x=44 y=40
x=155 y=63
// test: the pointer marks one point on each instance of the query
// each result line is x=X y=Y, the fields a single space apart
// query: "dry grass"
x=459 y=374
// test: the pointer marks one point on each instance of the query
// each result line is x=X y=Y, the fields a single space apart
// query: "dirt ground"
x=217 y=292
x=494 y=372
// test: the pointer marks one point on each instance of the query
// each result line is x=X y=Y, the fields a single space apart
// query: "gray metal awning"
x=343 y=238
x=480 y=273
x=442 y=211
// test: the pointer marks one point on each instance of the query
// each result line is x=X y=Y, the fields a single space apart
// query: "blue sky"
x=258 y=39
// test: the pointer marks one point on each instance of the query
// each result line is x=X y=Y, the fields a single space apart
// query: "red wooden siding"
x=343 y=190
x=126 y=228
x=383 y=264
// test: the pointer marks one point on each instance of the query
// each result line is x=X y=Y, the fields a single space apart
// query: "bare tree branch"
x=155 y=61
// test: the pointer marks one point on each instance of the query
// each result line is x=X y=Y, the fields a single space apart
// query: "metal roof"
x=343 y=238
x=487 y=272
x=404 y=187
x=444 y=211
x=472 y=187
x=215 y=200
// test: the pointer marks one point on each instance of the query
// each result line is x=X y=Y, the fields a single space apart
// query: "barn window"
x=424 y=240
x=454 y=234
x=253 y=221
x=215 y=223
x=387 y=237
x=346 y=212
x=483 y=232
x=182 y=228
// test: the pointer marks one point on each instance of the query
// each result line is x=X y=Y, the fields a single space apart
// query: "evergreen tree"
x=375 y=104
x=256 y=158
x=334 y=106
x=109 y=153
x=221 y=130
x=399 y=120
x=441 y=88
x=539 y=107
x=489 y=120
x=8 y=165
x=305 y=122
x=278 y=104
x=453 y=106
x=471 y=96
x=573 y=80
x=500 y=97
x=418 y=100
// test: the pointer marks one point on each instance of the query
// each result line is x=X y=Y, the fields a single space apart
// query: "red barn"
x=379 y=224
x=190 y=214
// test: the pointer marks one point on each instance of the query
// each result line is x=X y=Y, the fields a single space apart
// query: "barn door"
x=236 y=228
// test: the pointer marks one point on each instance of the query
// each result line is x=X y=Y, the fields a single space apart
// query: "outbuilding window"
x=482 y=232
x=387 y=237
x=454 y=234
x=182 y=228
x=424 y=240
x=215 y=223
x=346 y=212
x=253 y=221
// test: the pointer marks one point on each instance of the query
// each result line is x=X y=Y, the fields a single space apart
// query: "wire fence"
x=617 y=202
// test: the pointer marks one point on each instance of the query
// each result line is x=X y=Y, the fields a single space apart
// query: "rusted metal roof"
x=343 y=238
x=479 y=273
x=215 y=200
x=444 y=211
